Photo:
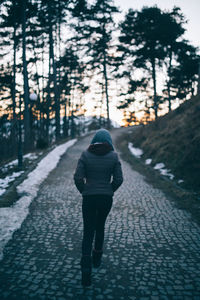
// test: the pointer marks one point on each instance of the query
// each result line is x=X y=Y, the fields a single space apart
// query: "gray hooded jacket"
x=99 y=170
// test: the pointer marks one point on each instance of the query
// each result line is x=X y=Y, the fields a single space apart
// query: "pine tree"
x=172 y=32
x=141 y=36
x=51 y=15
x=95 y=27
x=184 y=75
x=18 y=19
x=10 y=22
x=70 y=80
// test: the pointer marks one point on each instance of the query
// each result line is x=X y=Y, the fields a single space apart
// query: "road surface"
x=152 y=249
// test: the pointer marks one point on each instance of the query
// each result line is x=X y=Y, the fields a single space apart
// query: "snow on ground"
x=163 y=171
x=180 y=181
x=148 y=161
x=13 y=163
x=166 y=172
x=31 y=156
x=135 y=151
x=2 y=191
x=8 y=168
x=4 y=183
x=12 y=217
x=160 y=166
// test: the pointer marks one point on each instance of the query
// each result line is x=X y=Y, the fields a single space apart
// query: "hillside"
x=174 y=140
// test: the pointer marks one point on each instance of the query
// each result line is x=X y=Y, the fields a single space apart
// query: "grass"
x=174 y=140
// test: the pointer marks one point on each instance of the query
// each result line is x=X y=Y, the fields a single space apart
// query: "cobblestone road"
x=152 y=249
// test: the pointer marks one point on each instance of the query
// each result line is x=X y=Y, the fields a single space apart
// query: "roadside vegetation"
x=174 y=140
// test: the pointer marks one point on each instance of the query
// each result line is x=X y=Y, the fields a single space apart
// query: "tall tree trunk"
x=36 y=67
x=48 y=99
x=155 y=100
x=101 y=105
x=38 y=92
x=198 y=87
x=14 y=68
x=43 y=85
x=13 y=88
x=57 y=102
x=59 y=50
x=65 y=121
x=168 y=82
x=105 y=72
x=106 y=88
x=25 y=75
x=147 y=112
x=67 y=103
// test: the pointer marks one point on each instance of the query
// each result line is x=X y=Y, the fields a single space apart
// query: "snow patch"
x=13 y=163
x=2 y=191
x=166 y=172
x=159 y=166
x=163 y=171
x=180 y=181
x=31 y=156
x=10 y=164
x=148 y=161
x=12 y=217
x=4 y=183
x=135 y=151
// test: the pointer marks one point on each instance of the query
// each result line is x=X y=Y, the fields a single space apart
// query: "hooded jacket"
x=99 y=170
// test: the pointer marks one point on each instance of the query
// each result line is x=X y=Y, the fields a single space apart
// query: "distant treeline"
x=55 y=52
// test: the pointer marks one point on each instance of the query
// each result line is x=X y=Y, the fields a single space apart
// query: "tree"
x=25 y=76
x=70 y=79
x=95 y=27
x=10 y=23
x=185 y=73
x=172 y=24
x=17 y=14
x=51 y=15
x=198 y=87
x=141 y=39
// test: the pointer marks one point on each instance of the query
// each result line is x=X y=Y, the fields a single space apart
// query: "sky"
x=190 y=8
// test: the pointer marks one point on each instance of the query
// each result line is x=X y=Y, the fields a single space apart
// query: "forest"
x=59 y=55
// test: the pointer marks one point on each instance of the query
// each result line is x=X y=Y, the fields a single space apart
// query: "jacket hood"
x=102 y=136
x=100 y=148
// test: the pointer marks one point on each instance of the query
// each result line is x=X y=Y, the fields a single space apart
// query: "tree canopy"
x=66 y=51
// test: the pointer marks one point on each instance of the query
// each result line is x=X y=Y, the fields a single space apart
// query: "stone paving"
x=152 y=249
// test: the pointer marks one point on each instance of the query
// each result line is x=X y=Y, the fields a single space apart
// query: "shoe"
x=96 y=258
x=86 y=269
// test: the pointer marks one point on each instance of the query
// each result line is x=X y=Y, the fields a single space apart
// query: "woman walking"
x=98 y=175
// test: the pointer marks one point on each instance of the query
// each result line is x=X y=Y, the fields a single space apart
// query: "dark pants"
x=95 y=209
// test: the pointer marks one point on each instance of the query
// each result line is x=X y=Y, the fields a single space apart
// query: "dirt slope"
x=174 y=139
